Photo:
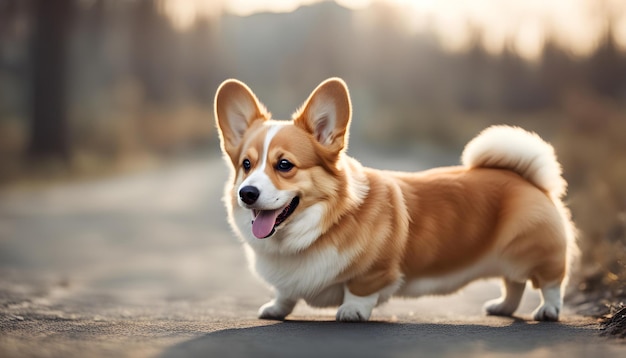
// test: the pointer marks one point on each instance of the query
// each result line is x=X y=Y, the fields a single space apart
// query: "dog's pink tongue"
x=264 y=223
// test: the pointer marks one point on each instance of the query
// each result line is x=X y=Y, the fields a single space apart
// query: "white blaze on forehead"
x=271 y=132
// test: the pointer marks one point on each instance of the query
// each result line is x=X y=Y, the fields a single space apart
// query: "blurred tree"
x=558 y=71
x=473 y=76
x=51 y=37
x=520 y=88
x=155 y=51
x=201 y=62
x=13 y=65
x=606 y=70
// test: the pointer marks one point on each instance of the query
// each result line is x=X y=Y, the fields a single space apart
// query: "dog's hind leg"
x=549 y=279
x=551 y=302
x=506 y=305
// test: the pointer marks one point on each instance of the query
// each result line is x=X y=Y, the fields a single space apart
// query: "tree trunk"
x=51 y=36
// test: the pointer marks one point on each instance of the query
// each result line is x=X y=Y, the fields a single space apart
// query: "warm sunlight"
x=184 y=13
x=247 y=7
x=523 y=26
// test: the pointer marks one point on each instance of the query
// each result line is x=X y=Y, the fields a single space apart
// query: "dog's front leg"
x=356 y=308
x=277 y=308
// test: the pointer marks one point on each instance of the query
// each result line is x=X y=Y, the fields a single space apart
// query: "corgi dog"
x=319 y=226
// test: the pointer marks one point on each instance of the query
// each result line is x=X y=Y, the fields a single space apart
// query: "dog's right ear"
x=236 y=108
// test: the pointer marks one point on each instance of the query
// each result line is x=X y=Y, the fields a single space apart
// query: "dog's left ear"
x=326 y=114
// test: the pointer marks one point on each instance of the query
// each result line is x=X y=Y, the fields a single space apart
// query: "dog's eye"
x=284 y=165
x=246 y=165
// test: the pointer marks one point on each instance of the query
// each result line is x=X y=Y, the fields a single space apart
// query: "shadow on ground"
x=377 y=339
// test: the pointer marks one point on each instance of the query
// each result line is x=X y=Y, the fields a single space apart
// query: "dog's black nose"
x=249 y=194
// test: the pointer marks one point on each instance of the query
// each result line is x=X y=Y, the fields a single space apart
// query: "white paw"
x=498 y=307
x=547 y=312
x=272 y=310
x=353 y=312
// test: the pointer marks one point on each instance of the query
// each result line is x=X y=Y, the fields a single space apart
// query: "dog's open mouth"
x=265 y=221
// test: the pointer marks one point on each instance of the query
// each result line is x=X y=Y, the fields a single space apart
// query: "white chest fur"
x=303 y=275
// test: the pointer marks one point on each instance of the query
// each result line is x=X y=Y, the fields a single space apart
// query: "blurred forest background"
x=90 y=87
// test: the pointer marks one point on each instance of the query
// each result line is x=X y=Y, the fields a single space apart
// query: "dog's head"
x=285 y=172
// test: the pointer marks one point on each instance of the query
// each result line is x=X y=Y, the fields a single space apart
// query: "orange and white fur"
x=319 y=226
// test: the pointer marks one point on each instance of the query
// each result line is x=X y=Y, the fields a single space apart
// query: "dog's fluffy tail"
x=520 y=151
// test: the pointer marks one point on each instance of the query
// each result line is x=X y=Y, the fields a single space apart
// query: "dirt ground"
x=145 y=265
